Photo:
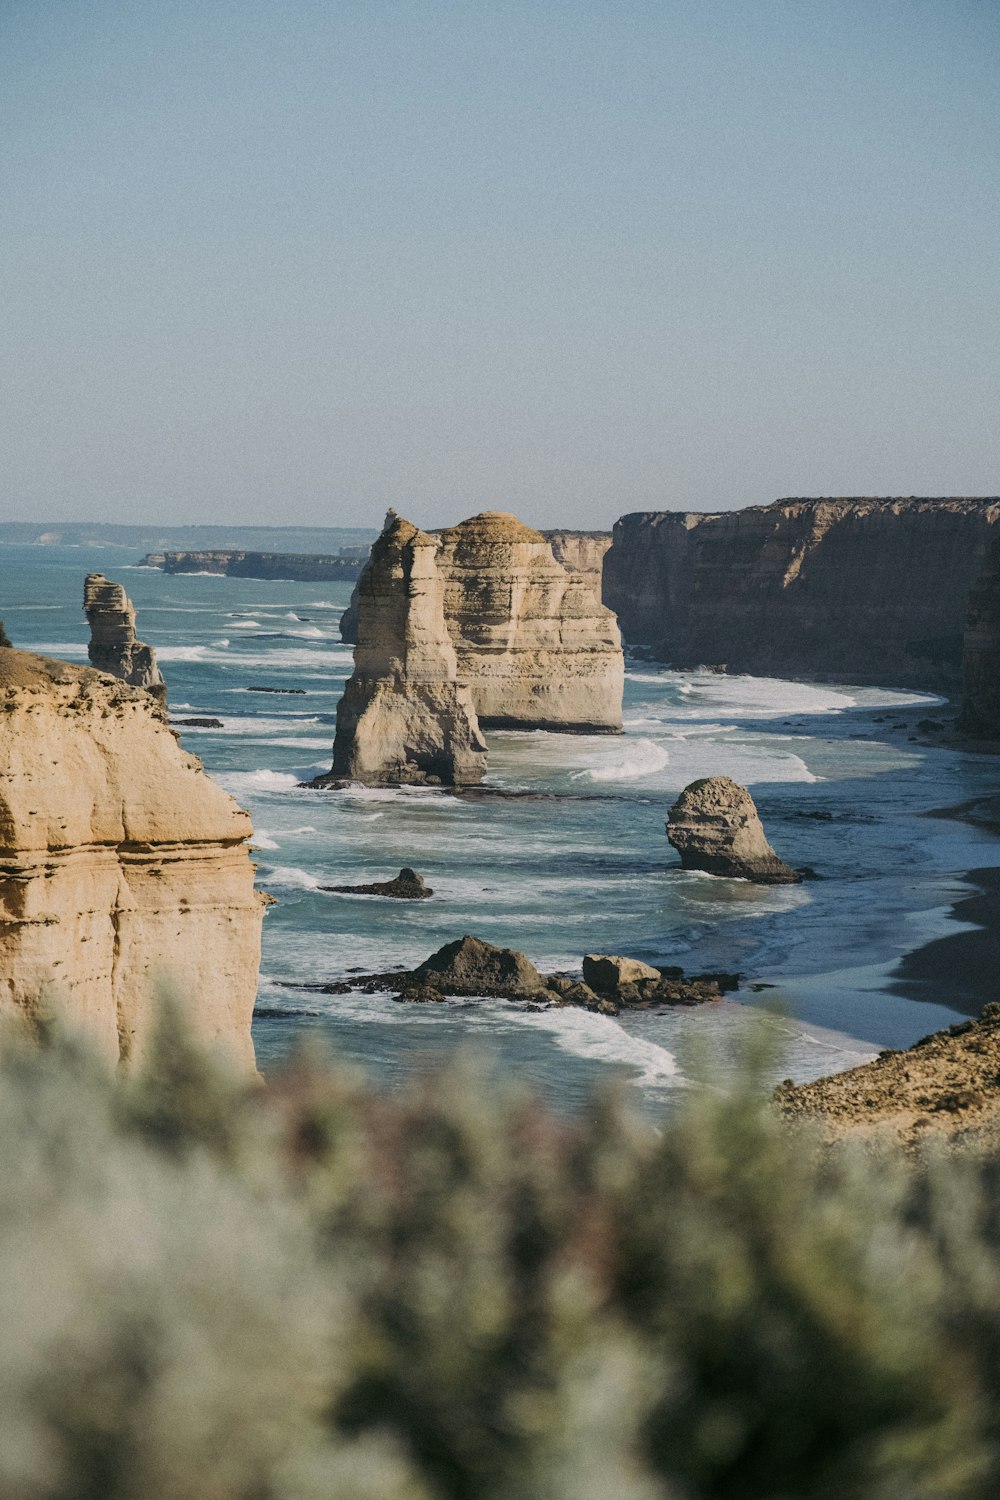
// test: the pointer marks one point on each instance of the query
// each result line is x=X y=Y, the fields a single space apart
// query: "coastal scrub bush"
x=216 y=1291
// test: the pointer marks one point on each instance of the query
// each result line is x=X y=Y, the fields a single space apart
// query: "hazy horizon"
x=289 y=265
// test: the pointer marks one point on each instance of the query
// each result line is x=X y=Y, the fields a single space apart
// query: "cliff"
x=406 y=716
x=122 y=865
x=577 y=551
x=865 y=590
x=113 y=646
x=980 y=715
x=296 y=566
x=537 y=649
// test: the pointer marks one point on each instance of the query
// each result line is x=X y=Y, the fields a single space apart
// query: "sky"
x=294 y=261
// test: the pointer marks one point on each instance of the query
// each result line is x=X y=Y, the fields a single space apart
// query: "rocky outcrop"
x=470 y=967
x=715 y=827
x=113 y=646
x=406 y=717
x=980 y=716
x=948 y=1084
x=123 y=866
x=4 y=637
x=536 y=648
x=305 y=567
x=864 y=590
x=407 y=886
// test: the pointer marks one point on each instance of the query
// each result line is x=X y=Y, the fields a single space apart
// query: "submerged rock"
x=407 y=886
x=113 y=646
x=715 y=827
x=405 y=718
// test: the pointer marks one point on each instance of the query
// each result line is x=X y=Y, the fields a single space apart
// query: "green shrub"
x=210 y=1291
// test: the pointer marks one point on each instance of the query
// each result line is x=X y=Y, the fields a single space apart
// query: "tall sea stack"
x=114 y=647
x=406 y=717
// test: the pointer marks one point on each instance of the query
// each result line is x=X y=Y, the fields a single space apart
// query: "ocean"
x=576 y=862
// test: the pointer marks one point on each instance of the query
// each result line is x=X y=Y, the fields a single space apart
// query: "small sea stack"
x=114 y=647
x=715 y=827
x=407 y=886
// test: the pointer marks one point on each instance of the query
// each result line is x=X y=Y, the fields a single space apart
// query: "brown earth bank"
x=946 y=1086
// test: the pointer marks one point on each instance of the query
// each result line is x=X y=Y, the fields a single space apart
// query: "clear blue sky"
x=291 y=261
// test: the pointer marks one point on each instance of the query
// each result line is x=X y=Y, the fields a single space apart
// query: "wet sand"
x=962 y=970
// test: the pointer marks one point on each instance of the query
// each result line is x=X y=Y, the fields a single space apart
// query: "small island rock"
x=407 y=886
x=715 y=827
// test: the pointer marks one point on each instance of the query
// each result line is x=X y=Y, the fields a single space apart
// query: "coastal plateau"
x=865 y=590
x=303 y=567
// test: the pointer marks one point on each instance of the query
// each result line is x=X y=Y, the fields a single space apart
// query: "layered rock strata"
x=123 y=866
x=864 y=590
x=715 y=827
x=114 y=647
x=537 y=649
x=980 y=716
x=406 y=717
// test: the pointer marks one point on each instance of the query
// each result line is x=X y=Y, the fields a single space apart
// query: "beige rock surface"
x=113 y=645
x=123 y=866
x=406 y=716
x=715 y=827
x=537 y=648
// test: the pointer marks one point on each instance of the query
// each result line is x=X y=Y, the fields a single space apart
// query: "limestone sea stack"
x=123 y=866
x=406 y=717
x=536 y=647
x=114 y=647
x=715 y=827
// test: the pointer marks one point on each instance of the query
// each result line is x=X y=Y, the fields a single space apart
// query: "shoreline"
x=962 y=969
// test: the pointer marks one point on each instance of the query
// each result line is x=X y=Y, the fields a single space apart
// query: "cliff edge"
x=122 y=865
x=864 y=590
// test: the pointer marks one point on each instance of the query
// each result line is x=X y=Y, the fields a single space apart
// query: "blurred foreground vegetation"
x=318 y=1290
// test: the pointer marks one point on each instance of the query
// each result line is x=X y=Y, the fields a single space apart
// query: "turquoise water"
x=578 y=862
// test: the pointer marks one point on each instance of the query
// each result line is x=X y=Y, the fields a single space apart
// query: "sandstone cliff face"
x=405 y=717
x=980 y=715
x=866 y=590
x=537 y=649
x=122 y=865
x=113 y=645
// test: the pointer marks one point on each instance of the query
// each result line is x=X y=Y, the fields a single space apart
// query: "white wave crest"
x=262 y=840
x=626 y=762
x=289 y=877
x=601 y=1039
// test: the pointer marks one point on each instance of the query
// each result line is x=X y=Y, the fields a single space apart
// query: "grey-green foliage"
x=222 y=1292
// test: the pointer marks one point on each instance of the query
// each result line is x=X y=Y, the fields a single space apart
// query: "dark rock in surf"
x=407 y=886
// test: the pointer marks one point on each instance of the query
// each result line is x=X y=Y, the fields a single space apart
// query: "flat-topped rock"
x=114 y=647
x=715 y=827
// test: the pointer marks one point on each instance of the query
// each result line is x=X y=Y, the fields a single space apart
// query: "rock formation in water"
x=579 y=552
x=980 y=716
x=123 y=866
x=113 y=645
x=863 y=590
x=715 y=827
x=537 y=649
x=406 y=717
x=406 y=886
